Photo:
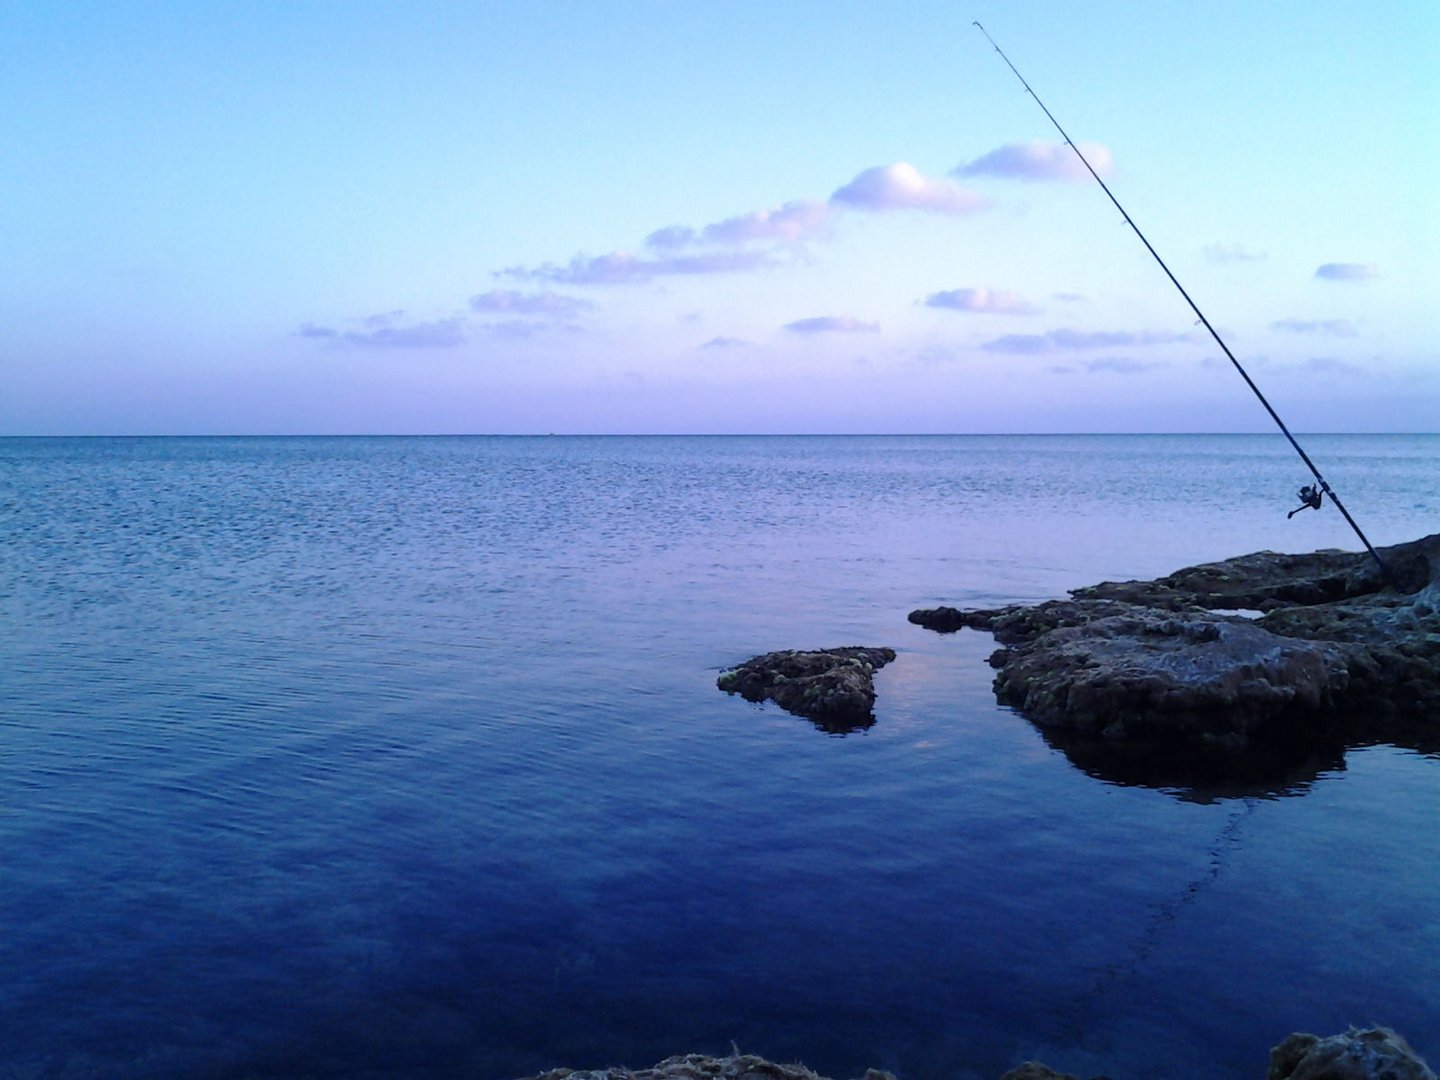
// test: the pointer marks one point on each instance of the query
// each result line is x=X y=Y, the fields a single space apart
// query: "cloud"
x=992 y=301
x=1330 y=327
x=528 y=328
x=671 y=237
x=1074 y=340
x=1122 y=365
x=440 y=334
x=727 y=343
x=796 y=220
x=903 y=187
x=1040 y=161
x=793 y=221
x=671 y=250
x=508 y=301
x=1347 y=271
x=386 y=318
x=388 y=331
x=625 y=268
x=832 y=324
x=1231 y=253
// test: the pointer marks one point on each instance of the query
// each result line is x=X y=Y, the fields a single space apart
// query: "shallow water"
x=403 y=757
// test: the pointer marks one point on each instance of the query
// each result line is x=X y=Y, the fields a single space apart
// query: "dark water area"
x=403 y=757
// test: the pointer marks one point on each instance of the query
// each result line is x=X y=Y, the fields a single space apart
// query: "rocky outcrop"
x=833 y=688
x=1376 y=1054
x=701 y=1067
x=1165 y=660
x=1033 y=1070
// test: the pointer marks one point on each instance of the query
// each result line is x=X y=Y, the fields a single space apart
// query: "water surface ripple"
x=403 y=757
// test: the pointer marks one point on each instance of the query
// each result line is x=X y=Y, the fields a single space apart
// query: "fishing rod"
x=1309 y=496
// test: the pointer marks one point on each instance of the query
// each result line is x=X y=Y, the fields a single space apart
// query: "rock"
x=702 y=1067
x=1377 y=1054
x=1148 y=674
x=834 y=688
x=1033 y=1070
x=1161 y=660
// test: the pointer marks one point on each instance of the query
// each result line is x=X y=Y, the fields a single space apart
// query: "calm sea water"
x=403 y=757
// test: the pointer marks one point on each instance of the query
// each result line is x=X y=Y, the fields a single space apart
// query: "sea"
x=404 y=757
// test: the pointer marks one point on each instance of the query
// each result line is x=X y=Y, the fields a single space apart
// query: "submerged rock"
x=702 y=1067
x=1162 y=660
x=834 y=688
x=1376 y=1054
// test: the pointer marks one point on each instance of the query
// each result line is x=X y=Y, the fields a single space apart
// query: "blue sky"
x=715 y=217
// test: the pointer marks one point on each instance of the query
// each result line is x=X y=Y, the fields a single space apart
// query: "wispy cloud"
x=1231 y=253
x=744 y=242
x=1065 y=340
x=625 y=268
x=903 y=187
x=797 y=220
x=1329 y=327
x=510 y=302
x=727 y=343
x=990 y=301
x=390 y=331
x=520 y=329
x=1039 y=160
x=831 y=324
x=1121 y=365
x=1347 y=271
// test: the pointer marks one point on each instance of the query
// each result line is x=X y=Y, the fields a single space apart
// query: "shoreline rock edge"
x=1373 y=1054
x=1169 y=660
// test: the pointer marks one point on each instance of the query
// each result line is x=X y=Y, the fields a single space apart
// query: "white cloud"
x=903 y=187
x=671 y=237
x=832 y=324
x=389 y=332
x=508 y=301
x=793 y=221
x=796 y=220
x=1066 y=340
x=1122 y=365
x=727 y=343
x=992 y=301
x=1040 y=160
x=625 y=268
x=1347 y=271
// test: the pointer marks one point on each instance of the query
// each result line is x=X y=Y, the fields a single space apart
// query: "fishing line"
x=1163 y=919
x=1310 y=496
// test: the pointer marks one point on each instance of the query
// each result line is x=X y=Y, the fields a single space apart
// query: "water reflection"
x=1198 y=774
x=1278 y=768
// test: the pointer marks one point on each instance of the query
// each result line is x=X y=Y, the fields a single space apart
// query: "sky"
x=732 y=216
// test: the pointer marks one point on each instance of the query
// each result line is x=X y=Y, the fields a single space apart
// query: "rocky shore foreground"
x=1228 y=654
x=1373 y=1054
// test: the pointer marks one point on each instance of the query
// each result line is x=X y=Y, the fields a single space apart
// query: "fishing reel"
x=1310 y=498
